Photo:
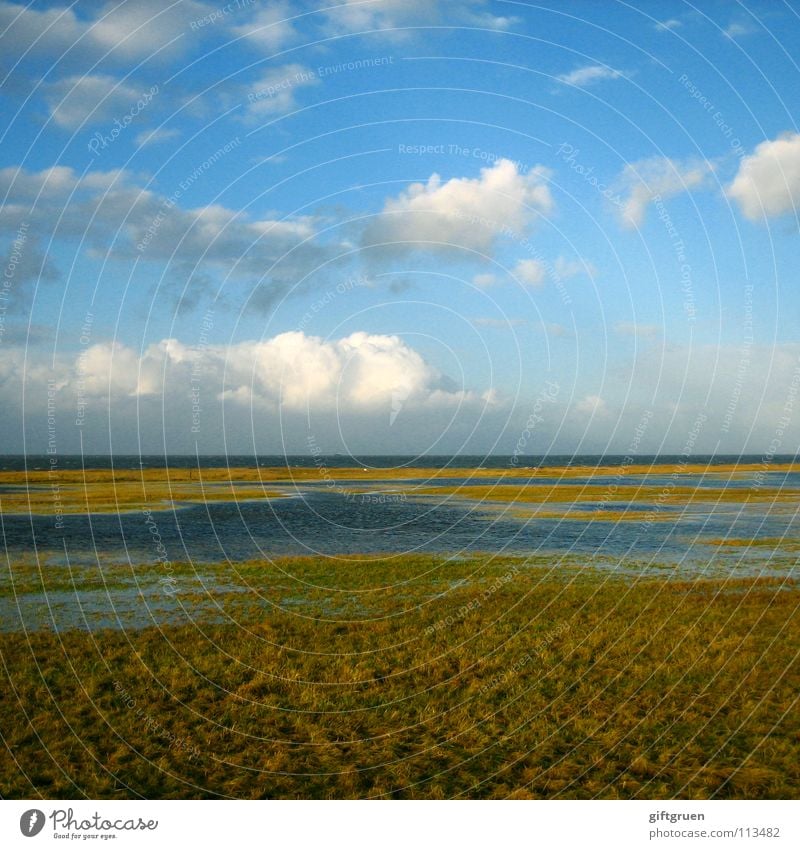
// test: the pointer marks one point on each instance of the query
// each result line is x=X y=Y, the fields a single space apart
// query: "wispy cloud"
x=485 y=280
x=271 y=29
x=273 y=93
x=657 y=178
x=92 y=98
x=396 y=18
x=736 y=29
x=589 y=75
x=499 y=323
x=156 y=136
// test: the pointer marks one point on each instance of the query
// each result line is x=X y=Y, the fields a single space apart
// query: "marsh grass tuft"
x=337 y=680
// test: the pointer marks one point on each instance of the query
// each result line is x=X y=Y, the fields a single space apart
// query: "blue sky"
x=389 y=226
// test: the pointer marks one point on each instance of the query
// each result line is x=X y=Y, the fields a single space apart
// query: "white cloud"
x=478 y=18
x=592 y=405
x=124 y=31
x=465 y=212
x=588 y=75
x=391 y=17
x=364 y=371
x=357 y=16
x=768 y=181
x=109 y=368
x=737 y=30
x=485 y=281
x=658 y=177
x=271 y=29
x=291 y=371
x=566 y=268
x=88 y=98
x=670 y=24
x=274 y=92
x=156 y=136
x=350 y=385
x=530 y=272
x=114 y=217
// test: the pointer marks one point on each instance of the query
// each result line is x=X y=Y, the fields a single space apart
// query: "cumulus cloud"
x=281 y=386
x=463 y=212
x=566 y=268
x=658 y=177
x=273 y=93
x=374 y=393
x=270 y=29
x=109 y=368
x=120 y=31
x=530 y=272
x=116 y=218
x=591 y=405
x=90 y=98
x=485 y=280
x=589 y=75
x=364 y=392
x=292 y=370
x=767 y=183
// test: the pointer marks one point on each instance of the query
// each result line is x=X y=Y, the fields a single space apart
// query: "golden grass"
x=786 y=542
x=110 y=490
x=669 y=495
x=414 y=677
x=122 y=496
x=287 y=475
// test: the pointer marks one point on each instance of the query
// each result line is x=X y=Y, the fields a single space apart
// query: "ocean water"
x=19 y=462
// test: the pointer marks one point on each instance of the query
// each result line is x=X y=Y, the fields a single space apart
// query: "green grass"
x=414 y=677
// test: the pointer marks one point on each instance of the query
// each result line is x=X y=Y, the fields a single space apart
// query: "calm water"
x=315 y=518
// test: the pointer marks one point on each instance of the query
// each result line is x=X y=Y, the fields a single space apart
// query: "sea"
x=20 y=462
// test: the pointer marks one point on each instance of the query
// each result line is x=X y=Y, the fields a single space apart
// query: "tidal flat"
x=481 y=633
x=56 y=490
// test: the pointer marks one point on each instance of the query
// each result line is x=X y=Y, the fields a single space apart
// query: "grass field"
x=416 y=677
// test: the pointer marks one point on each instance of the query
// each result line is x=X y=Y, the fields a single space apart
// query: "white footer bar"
x=400 y=825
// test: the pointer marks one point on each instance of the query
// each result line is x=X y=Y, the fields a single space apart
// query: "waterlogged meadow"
x=414 y=678
x=549 y=673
